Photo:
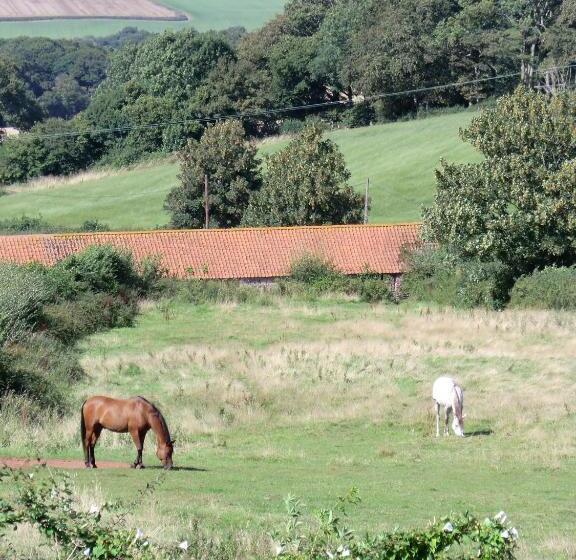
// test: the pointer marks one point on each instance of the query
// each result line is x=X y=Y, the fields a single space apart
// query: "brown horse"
x=135 y=415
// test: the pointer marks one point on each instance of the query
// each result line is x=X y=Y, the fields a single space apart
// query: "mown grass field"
x=313 y=398
x=203 y=15
x=399 y=158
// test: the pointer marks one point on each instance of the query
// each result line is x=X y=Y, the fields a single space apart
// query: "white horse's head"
x=458 y=425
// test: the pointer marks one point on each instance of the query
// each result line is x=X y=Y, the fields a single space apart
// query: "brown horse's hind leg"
x=138 y=438
x=88 y=451
x=94 y=435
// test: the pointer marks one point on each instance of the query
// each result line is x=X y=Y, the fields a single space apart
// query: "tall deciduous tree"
x=306 y=183
x=518 y=206
x=230 y=162
x=18 y=107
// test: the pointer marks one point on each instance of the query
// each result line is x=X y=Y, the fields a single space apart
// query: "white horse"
x=449 y=394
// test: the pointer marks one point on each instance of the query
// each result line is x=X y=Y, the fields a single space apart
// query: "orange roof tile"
x=233 y=253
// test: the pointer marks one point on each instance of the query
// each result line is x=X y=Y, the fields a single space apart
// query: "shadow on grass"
x=476 y=433
x=185 y=469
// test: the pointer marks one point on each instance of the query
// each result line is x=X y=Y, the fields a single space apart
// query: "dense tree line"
x=53 y=78
x=315 y=51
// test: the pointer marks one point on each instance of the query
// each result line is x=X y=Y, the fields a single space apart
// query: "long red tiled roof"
x=233 y=253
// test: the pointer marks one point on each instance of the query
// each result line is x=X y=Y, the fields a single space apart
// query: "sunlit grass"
x=311 y=399
x=399 y=158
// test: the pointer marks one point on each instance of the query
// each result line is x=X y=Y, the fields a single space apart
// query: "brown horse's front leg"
x=139 y=443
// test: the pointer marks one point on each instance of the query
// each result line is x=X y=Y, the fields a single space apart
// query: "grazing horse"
x=135 y=415
x=449 y=394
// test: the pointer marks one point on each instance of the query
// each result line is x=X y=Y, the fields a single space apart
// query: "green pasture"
x=203 y=16
x=398 y=158
x=310 y=399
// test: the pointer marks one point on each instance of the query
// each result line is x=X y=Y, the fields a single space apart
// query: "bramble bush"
x=330 y=537
x=48 y=504
x=550 y=288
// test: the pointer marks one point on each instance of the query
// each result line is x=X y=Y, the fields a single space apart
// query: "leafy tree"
x=335 y=35
x=154 y=82
x=53 y=147
x=61 y=74
x=304 y=17
x=559 y=42
x=66 y=99
x=518 y=206
x=292 y=83
x=170 y=64
x=480 y=43
x=233 y=87
x=224 y=155
x=530 y=19
x=305 y=184
x=17 y=106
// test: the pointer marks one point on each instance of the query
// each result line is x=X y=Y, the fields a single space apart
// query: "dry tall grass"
x=516 y=368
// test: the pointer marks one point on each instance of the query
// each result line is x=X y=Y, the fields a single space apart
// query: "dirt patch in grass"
x=15 y=463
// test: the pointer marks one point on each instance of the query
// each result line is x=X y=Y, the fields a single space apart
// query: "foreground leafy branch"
x=48 y=503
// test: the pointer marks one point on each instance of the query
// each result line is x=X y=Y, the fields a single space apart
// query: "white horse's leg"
x=446 y=419
x=437 y=410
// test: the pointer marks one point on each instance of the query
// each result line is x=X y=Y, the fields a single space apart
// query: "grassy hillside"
x=312 y=399
x=203 y=14
x=399 y=159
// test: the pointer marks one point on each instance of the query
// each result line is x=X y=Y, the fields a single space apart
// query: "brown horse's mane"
x=160 y=417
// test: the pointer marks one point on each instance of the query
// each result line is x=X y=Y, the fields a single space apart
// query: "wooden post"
x=366 y=201
x=206 y=206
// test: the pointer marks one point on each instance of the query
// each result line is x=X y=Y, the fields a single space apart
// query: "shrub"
x=436 y=276
x=31 y=224
x=23 y=292
x=550 y=288
x=292 y=126
x=49 y=505
x=312 y=276
x=68 y=321
x=310 y=268
x=360 y=114
x=25 y=224
x=372 y=289
x=100 y=268
x=93 y=225
x=41 y=369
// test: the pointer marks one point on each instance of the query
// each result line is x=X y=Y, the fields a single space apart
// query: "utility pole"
x=366 y=201
x=206 y=207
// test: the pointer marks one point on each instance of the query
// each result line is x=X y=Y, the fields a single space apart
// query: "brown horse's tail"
x=83 y=428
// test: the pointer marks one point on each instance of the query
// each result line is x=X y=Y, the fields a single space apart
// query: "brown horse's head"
x=164 y=453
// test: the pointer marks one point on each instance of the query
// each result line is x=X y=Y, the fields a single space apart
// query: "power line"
x=269 y=112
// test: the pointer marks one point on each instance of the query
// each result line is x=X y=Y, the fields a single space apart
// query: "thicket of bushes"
x=44 y=311
x=313 y=276
x=436 y=276
x=550 y=288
